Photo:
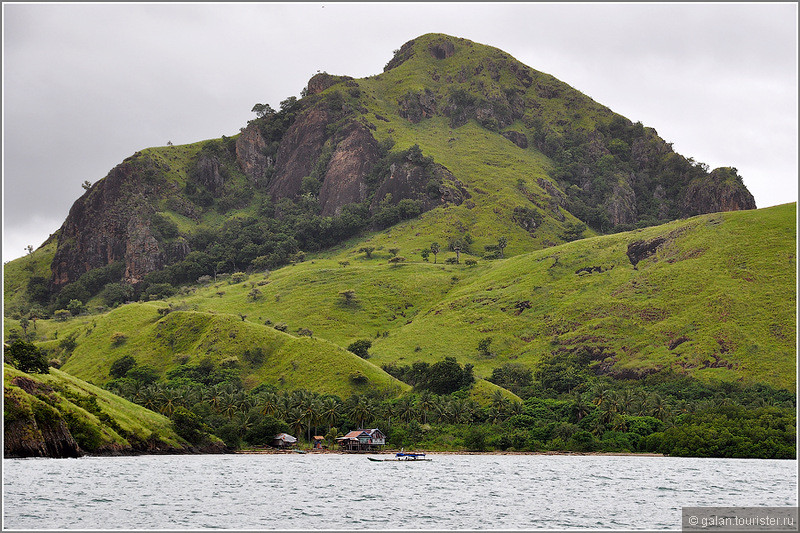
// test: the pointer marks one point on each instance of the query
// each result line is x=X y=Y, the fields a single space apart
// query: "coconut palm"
x=459 y=411
x=387 y=411
x=425 y=404
x=168 y=398
x=268 y=403
x=440 y=409
x=515 y=408
x=580 y=408
x=296 y=420
x=659 y=407
x=312 y=410
x=150 y=399
x=331 y=411
x=405 y=409
x=362 y=411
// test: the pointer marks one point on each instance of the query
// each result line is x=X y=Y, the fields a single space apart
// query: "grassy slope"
x=187 y=337
x=726 y=282
x=133 y=419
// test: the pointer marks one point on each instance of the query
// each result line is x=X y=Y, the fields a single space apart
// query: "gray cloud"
x=86 y=85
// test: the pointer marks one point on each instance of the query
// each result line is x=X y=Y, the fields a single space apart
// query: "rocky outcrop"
x=721 y=190
x=250 y=156
x=299 y=150
x=207 y=172
x=32 y=428
x=412 y=181
x=641 y=250
x=517 y=138
x=142 y=252
x=621 y=205
x=323 y=80
x=110 y=223
x=353 y=159
x=416 y=106
x=401 y=55
x=442 y=49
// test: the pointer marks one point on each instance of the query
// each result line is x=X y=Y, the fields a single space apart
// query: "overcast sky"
x=86 y=85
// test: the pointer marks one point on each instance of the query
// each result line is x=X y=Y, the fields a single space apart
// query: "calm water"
x=348 y=492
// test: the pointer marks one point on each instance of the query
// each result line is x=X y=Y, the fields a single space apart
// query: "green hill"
x=188 y=337
x=59 y=415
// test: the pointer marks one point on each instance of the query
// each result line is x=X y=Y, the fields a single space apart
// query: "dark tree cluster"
x=443 y=377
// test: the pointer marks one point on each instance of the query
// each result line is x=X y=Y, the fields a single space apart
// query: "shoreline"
x=392 y=452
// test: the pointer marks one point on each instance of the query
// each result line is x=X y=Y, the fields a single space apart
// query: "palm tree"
x=229 y=404
x=458 y=409
x=215 y=396
x=312 y=410
x=660 y=408
x=296 y=419
x=441 y=409
x=579 y=408
x=387 y=410
x=515 y=408
x=331 y=411
x=424 y=404
x=362 y=410
x=494 y=415
x=405 y=409
x=168 y=398
x=268 y=403
x=332 y=435
x=599 y=396
x=150 y=399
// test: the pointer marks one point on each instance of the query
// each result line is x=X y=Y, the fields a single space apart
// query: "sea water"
x=348 y=492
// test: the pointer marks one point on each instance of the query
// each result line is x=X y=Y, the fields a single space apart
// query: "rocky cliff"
x=111 y=223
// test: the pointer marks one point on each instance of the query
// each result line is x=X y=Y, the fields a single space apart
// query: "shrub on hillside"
x=360 y=348
x=27 y=357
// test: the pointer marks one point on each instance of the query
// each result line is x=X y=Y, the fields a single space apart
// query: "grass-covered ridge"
x=99 y=421
x=189 y=337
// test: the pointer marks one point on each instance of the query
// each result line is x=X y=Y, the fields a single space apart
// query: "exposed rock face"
x=38 y=432
x=640 y=250
x=721 y=190
x=344 y=181
x=298 y=152
x=621 y=205
x=410 y=181
x=442 y=50
x=323 y=80
x=517 y=138
x=405 y=53
x=109 y=223
x=207 y=172
x=142 y=253
x=416 y=106
x=250 y=154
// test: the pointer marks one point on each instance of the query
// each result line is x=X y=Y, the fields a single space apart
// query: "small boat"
x=402 y=456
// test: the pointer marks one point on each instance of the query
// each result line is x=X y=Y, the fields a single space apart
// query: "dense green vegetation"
x=662 y=414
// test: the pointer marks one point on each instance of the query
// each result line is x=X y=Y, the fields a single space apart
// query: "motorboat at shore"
x=403 y=456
